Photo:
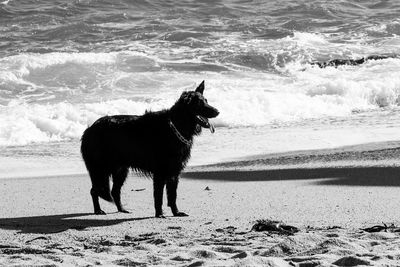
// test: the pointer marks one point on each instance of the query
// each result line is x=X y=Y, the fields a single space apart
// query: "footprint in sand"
x=196 y=263
x=351 y=261
x=182 y=257
x=128 y=262
x=203 y=254
x=228 y=249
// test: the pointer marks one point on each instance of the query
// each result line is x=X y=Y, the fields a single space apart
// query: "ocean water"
x=64 y=63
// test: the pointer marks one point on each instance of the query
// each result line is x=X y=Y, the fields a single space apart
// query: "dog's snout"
x=209 y=111
x=216 y=112
x=213 y=112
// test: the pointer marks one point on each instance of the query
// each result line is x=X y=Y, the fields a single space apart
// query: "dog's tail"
x=101 y=187
x=100 y=184
x=105 y=193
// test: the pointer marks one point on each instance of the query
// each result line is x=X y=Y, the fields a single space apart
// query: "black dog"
x=157 y=144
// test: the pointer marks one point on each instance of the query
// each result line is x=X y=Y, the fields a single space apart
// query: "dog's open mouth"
x=205 y=123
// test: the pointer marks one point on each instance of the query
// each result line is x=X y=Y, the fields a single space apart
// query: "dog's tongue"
x=205 y=123
x=212 y=129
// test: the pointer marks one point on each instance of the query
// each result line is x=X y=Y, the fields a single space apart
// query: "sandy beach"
x=329 y=195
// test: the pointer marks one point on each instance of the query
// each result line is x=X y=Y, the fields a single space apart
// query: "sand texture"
x=329 y=195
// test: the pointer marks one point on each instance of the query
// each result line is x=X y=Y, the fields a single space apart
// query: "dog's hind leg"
x=158 y=190
x=100 y=188
x=119 y=177
x=172 y=185
x=96 y=204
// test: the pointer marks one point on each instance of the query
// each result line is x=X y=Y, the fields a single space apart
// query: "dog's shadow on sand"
x=59 y=223
x=346 y=176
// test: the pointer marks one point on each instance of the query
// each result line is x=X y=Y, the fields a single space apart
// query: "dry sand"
x=328 y=194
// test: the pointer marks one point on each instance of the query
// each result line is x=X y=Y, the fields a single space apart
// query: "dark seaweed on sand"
x=274 y=227
x=380 y=228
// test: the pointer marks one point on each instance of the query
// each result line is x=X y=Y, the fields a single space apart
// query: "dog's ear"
x=200 y=88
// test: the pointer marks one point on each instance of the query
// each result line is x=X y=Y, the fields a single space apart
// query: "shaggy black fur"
x=157 y=144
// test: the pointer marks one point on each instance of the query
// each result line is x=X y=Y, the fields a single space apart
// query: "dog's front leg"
x=158 y=190
x=172 y=185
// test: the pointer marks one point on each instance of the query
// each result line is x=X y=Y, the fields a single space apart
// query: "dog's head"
x=197 y=106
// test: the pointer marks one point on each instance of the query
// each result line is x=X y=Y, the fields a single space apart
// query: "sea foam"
x=246 y=100
x=55 y=96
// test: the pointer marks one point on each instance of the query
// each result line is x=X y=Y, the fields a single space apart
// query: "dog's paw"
x=99 y=212
x=180 y=214
x=160 y=216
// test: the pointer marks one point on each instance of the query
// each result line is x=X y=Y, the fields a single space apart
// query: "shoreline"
x=374 y=154
x=384 y=154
